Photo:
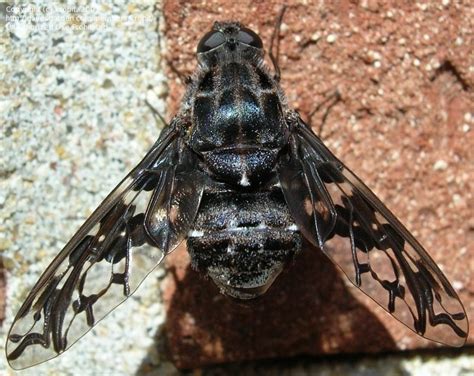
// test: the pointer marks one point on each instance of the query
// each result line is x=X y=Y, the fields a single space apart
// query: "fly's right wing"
x=336 y=212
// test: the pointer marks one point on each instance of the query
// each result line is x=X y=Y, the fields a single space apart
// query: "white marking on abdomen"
x=244 y=182
x=195 y=234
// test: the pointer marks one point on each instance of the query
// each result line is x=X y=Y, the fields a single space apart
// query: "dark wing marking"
x=144 y=218
x=336 y=211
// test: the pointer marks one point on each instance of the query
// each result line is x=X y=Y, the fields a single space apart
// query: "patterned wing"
x=143 y=219
x=336 y=212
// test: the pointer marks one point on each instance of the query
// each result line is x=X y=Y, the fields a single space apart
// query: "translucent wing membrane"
x=339 y=214
x=143 y=219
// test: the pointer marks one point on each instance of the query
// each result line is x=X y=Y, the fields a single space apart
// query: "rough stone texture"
x=73 y=122
x=2 y=293
x=405 y=72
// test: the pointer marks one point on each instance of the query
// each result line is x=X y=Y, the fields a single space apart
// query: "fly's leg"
x=276 y=41
x=331 y=99
x=183 y=79
x=156 y=114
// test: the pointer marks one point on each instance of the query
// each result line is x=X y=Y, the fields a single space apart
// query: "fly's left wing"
x=336 y=212
x=144 y=218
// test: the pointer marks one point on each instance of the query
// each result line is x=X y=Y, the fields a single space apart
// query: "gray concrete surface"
x=73 y=123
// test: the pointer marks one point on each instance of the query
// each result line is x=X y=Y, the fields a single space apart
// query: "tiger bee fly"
x=240 y=176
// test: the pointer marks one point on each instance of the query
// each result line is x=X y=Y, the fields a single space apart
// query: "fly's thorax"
x=243 y=240
x=237 y=121
x=236 y=103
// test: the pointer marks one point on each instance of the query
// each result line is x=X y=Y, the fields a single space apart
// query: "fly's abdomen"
x=243 y=240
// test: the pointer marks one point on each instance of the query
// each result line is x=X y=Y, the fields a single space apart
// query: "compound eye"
x=249 y=38
x=209 y=41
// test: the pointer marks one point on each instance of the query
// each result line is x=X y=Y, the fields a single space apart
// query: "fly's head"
x=228 y=39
